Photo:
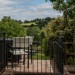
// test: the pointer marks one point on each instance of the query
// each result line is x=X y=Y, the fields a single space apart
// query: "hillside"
x=28 y=24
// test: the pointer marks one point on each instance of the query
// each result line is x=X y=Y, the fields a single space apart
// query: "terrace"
x=22 y=55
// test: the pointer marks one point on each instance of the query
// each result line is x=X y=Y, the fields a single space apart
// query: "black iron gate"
x=58 y=56
x=24 y=55
x=2 y=53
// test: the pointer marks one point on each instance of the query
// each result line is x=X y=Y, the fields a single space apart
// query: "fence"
x=24 y=55
x=58 y=56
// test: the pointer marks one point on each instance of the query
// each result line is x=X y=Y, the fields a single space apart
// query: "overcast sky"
x=27 y=9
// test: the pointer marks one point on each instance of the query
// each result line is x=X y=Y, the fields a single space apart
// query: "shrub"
x=70 y=60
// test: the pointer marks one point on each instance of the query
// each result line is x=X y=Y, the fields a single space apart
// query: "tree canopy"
x=34 y=31
x=68 y=9
x=11 y=27
x=55 y=29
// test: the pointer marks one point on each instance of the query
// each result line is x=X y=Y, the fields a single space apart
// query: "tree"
x=48 y=19
x=55 y=30
x=26 y=21
x=11 y=27
x=34 y=31
x=20 y=21
x=68 y=9
x=42 y=22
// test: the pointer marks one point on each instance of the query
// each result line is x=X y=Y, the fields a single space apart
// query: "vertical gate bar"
x=12 y=56
x=45 y=65
x=50 y=63
x=17 y=42
x=2 y=56
x=65 y=57
x=7 y=50
x=31 y=54
x=52 y=55
x=62 y=58
x=41 y=54
x=4 y=49
x=24 y=56
x=20 y=56
x=2 y=53
x=15 y=54
x=28 y=54
x=46 y=60
x=54 y=58
x=18 y=61
x=37 y=57
x=49 y=45
x=33 y=63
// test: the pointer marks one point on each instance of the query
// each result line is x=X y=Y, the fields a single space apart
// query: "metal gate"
x=26 y=56
x=58 y=56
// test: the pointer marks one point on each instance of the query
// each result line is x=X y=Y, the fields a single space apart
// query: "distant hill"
x=37 y=22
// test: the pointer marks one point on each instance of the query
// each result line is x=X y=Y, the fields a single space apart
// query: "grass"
x=40 y=56
x=28 y=24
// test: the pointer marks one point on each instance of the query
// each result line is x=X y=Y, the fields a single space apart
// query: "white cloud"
x=6 y=2
x=17 y=9
x=44 y=6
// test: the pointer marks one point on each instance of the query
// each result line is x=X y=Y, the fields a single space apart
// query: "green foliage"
x=37 y=22
x=42 y=22
x=56 y=29
x=11 y=27
x=68 y=9
x=63 y=28
x=70 y=50
x=34 y=31
x=40 y=56
x=45 y=47
x=70 y=60
x=50 y=0
x=28 y=24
